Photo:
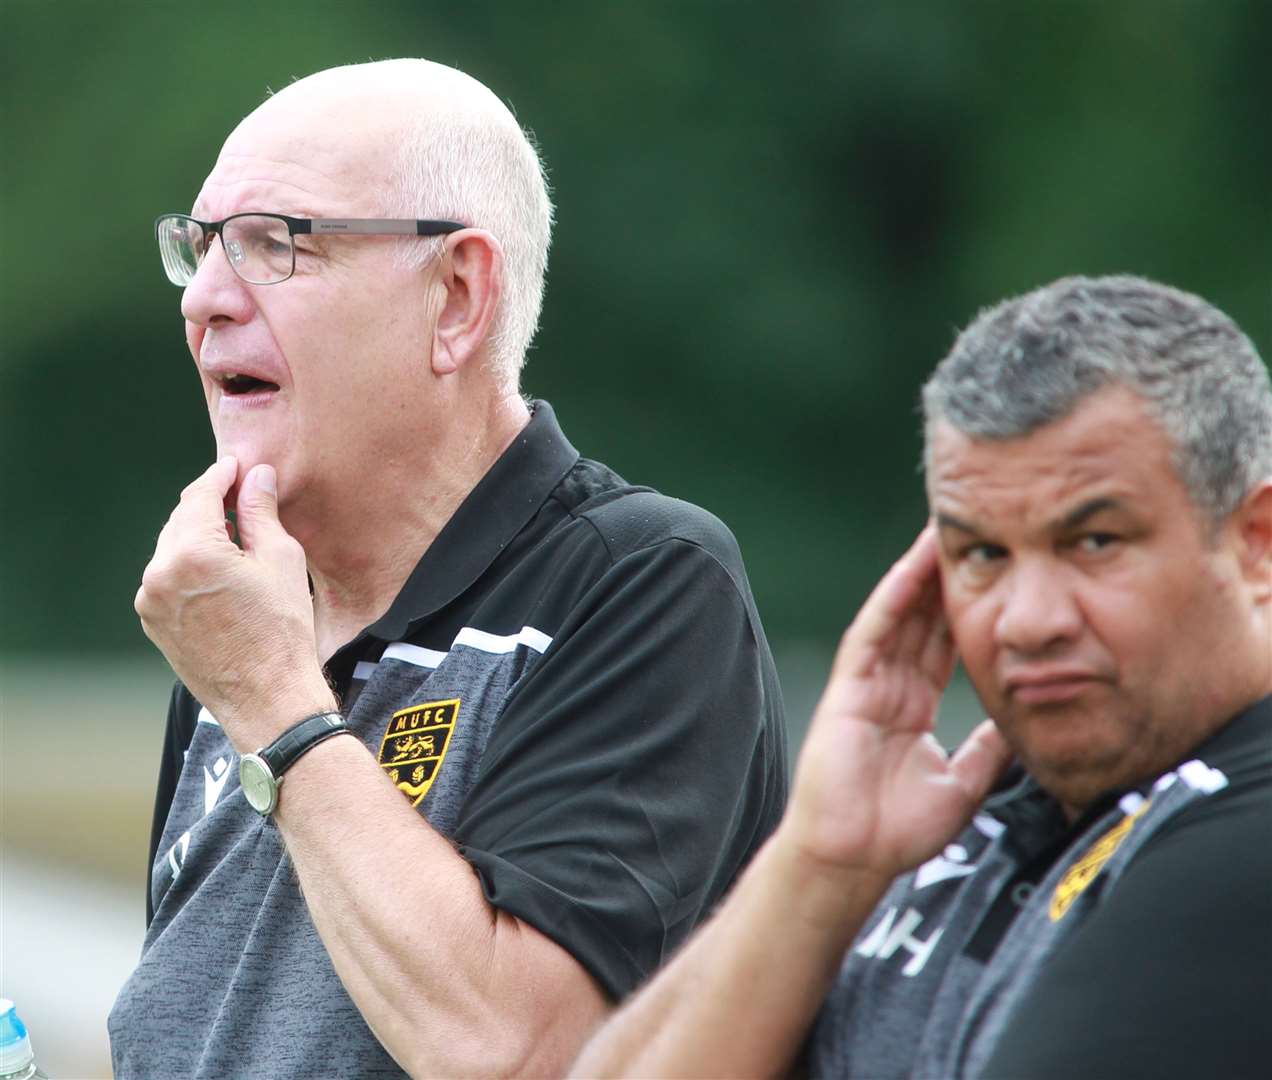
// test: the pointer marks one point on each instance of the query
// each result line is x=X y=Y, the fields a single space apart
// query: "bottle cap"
x=15 y=1046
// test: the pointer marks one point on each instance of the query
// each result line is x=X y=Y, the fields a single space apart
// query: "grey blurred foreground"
x=79 y=749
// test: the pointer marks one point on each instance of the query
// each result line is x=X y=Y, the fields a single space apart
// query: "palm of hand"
x=874 y=790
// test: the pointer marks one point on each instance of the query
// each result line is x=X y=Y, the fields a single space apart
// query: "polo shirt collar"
x=492 y=515
x=1231 y=744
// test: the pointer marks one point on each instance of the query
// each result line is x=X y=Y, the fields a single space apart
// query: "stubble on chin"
x=1116 y=753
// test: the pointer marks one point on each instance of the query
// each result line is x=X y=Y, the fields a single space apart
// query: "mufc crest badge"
x=1087 y=869
x=415 y=744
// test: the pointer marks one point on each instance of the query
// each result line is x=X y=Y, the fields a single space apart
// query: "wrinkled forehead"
x=1110 y=444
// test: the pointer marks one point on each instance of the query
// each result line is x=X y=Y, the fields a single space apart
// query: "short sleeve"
x=636 y=768
x=1172 y=974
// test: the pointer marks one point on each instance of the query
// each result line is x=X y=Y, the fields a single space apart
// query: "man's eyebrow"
x=949 y=521
x=302 y=213
x=1086 y=510
x=1071 y=520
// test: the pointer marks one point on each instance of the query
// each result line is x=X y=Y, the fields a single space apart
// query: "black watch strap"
x=300 y=738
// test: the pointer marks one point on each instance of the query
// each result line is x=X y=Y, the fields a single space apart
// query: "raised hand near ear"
x=874 y=791
x=236 y=624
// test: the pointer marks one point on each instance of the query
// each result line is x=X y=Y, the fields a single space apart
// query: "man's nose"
x=216 y=292
x=1039 y=609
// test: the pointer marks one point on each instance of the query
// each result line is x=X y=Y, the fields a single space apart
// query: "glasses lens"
x=259 y=247
x=180 y=247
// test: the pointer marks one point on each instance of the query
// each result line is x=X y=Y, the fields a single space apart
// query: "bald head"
x=412 y=138
x=401 y=78
x=372 y=102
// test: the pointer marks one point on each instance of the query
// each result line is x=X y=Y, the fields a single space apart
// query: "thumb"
x=980 y=761
x=257 y=510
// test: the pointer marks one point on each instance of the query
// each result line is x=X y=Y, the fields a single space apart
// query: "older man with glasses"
x=469 y=732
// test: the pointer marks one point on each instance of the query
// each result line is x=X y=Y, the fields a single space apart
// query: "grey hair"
x=1031 y=360
x=485 y=172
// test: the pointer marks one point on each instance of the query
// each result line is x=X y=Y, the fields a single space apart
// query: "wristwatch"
x=261 y=773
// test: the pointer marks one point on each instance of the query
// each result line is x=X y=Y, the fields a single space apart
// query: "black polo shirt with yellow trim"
x=1134 y=942
x=573 y=685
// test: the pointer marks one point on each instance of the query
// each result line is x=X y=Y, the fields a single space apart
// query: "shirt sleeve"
x=1172 y=974
x=636 y=769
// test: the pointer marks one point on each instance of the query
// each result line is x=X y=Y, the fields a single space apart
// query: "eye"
x=981 y=553
x=262 y=236
x=1093 y=542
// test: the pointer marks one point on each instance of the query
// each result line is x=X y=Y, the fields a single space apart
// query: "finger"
x=203 y=499
x=214 y=481
x=256 y=512
x=915 y=629
x=939 y=654
x=980 y=760
x=899 y=594
x=190 y=519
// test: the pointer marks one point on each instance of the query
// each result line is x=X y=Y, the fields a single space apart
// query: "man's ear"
x=472 y=274
x=1253 y=523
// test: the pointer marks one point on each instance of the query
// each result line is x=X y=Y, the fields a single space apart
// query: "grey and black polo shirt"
x=1136 y=942
x=573 y=685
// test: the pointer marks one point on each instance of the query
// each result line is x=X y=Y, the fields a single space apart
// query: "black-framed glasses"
x=261 y=248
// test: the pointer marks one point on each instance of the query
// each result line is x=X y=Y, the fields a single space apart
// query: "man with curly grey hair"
x=469 y=731
x=1083 y=888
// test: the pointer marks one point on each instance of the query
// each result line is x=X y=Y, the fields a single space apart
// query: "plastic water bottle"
x=17 y=1059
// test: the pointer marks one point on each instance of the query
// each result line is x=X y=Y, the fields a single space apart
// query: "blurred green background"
x=771 y=222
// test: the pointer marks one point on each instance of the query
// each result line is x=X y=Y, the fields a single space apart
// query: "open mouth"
x=236 y=385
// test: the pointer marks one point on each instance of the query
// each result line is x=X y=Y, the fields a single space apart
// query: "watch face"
x=258 y=783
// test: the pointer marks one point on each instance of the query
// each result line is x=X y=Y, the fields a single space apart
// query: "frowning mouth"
x=1051 y=691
